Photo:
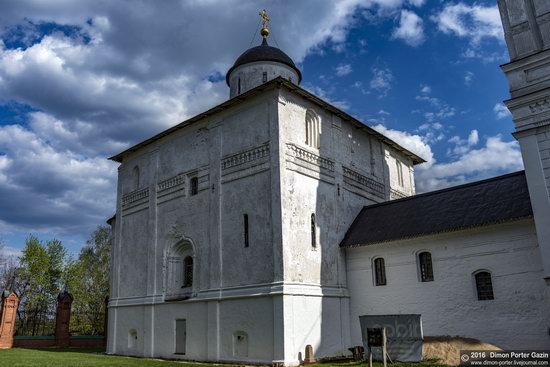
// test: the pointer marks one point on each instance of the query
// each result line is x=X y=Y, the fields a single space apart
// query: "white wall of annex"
x=517 y=318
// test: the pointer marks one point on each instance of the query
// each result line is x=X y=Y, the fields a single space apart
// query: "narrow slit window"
x=313 y=231
x=245 y=223
x=187 y=272
x=264 y=76
x=426 y=268
x=239 y=85
x=379 y=271
x=194 y=184
x=484 y=286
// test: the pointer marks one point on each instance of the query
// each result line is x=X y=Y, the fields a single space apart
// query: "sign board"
x=403 y=332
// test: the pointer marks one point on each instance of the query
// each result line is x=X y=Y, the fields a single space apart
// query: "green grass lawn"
x=93 y=357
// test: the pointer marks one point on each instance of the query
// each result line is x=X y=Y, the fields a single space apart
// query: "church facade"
x=273 y=220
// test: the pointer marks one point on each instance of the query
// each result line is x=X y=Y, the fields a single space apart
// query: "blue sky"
x=82 y=81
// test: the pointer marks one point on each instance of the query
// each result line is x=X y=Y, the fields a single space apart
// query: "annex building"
x=274 y=220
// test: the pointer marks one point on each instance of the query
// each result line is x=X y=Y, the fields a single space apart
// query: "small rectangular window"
x=194 y=186
x=265 y=77
x=245 y=222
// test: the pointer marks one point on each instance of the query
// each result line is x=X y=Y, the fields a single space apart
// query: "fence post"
x=63 y=319
x=10 y=302
x=106 y=320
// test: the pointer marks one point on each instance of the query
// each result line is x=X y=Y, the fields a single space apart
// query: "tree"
x=40 y=279
x=88 y=281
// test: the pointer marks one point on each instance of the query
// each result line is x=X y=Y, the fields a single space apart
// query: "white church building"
x=274 y=220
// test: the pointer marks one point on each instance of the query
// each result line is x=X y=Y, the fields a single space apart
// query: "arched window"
x=484 y=285
x=187 y=272
x=193 y=186
x=400 y=180
x=135 y=178
x=313 y=129
x=379 y=271
x=179 y=271
x=313 y=231
x=425 y=266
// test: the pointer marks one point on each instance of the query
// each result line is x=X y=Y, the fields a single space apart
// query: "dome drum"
x=258 y=65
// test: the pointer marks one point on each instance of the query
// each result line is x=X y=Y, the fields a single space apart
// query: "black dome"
x=264 y=52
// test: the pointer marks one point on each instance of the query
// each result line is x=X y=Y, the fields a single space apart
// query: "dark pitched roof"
x=273 y=83
x=495 y=200
x=263 y=52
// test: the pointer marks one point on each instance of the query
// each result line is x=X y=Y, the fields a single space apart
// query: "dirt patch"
x=446 y=349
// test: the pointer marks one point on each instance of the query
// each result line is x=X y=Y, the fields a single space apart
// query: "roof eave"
x=418 y=235
x=345 y=116
x=227 y=104
x=279 y=81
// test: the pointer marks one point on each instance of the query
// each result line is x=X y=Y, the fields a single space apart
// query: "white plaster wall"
x=212 y=220
x=279 y=193
x=319 y=321
x=251 y=75
x=407 y=188
x=528 y=76
x=517 y=318
x=210 y=329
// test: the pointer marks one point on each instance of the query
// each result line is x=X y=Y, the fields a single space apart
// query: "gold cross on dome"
x=265 y=19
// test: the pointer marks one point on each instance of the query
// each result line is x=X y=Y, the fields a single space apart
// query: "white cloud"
x=410 y=29
x=343 y=69
x=468 y=78
x=442 y=109
x=417 y=3
x=496 y=157
x=414 y=143
x=473 y=138
x=48 y=190
x=474 y=22
x=381 y=81
x=501 y=111
x=432 y=132
x=113 y=82
x=326 y=96
x=462 y=146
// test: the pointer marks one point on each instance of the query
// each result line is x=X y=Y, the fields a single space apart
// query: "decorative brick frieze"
x=395 y=194
x=306 y=156
x=178 y=180
x=247 y=156
x=540 y=106
x=363 y=182
x=135 y=196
